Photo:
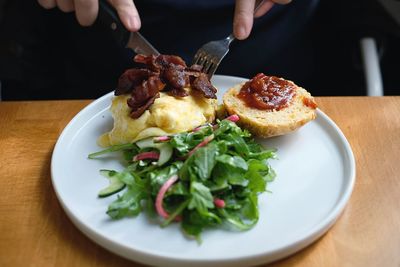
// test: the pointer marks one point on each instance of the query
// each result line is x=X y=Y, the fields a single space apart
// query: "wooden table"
x=35 y=231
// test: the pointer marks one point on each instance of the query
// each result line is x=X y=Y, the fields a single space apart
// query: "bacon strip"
x=164 y=72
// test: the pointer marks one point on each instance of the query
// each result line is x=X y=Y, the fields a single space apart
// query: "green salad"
x=210 y=177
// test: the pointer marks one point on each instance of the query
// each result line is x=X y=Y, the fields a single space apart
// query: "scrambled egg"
x=167 y=115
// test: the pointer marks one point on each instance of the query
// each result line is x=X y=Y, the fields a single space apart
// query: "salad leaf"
x=159 y=176
x=220 y=172
x=226 y=173
x=204 y=161
x=201 y=197
x=128 y=204
x=233 y=161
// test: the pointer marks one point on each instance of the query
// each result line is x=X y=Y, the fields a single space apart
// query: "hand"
x=86 y=11
x=244 y=15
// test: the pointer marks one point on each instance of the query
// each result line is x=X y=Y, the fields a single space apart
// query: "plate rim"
x=132 y=253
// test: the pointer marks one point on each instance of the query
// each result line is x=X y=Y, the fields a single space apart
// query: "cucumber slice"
x=115 y=184
x=165 y=153
x=164 y=148
x=144 y=143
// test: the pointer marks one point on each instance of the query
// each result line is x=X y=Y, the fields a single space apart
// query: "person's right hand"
x=244 y=15
x=86 y=11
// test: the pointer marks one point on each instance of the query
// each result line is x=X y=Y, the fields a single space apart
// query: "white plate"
x=316 y=174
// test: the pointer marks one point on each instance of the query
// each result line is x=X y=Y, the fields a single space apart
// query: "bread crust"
x=266 y=123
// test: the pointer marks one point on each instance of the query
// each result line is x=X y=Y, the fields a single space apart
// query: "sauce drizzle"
x=267 y=92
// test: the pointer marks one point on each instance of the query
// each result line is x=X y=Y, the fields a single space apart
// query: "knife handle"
x=109 y=18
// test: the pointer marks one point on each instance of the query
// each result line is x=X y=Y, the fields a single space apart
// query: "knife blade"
x=140 y=45
x=109 y=19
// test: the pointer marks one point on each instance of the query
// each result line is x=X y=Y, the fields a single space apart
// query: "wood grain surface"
x=35 y=231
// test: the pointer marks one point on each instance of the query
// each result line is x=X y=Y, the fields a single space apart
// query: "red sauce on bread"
x=267 y=92
x=309 y=102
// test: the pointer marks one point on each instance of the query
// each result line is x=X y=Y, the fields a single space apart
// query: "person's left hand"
x=244 y=15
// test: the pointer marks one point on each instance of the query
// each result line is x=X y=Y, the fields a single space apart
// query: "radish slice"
x=198 y=128
x=161 y=138
x=201 y=127
x=219 y=203
x=233 y=118
x=206 y=140
x=160 y=196
x=146 y=155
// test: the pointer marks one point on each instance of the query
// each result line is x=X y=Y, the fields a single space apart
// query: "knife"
x=109 y=19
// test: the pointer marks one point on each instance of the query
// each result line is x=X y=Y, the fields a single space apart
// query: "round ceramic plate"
x=315 y=178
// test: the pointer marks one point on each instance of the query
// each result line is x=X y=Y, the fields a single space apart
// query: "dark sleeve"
x=45 y=54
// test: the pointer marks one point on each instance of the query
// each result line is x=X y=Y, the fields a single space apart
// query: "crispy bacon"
x=145 y=91
x=165 y=60
x=178 y=92
x=203 y=84
x=175 y=76
x=164 y=72
x=137 y=112
x=130 y=79
x=149 y=61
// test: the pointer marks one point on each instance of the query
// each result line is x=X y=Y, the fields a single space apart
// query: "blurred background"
x=322 y=45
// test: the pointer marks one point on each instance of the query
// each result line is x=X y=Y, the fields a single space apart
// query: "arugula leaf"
x=233 y=161
x=238 y=144
x=184 y=142
x=178 y=188
x=178 y=142
x=204 y=161
x=128 y=204
x=224 y=173
x=257 y=183
x=200 y=164
x=244 y=214
x=201 y=198
x=158 y=177
x=265 y=154
x=193 y=224
x=232 y=167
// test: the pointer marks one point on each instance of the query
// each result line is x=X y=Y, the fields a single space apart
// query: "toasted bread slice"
x=267 y=123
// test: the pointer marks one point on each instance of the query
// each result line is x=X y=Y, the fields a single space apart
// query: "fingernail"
x=240 y=33
x=134 y=23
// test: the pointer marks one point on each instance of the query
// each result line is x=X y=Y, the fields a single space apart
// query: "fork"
x=210 y=55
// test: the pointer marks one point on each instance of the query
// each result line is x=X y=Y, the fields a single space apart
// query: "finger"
x=47 y=4
x=65 y=5
x=264 y=8
x=282 y=2
x=243 y=18
x=127 y=13
x=86 y=11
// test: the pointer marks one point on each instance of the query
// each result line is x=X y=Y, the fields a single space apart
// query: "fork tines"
x=208 y=62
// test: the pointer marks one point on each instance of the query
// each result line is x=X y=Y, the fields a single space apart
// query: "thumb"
x=243 y=18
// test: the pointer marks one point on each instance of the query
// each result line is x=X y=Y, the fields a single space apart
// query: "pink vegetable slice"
x=198 y=128
x=161 y=138
x=146 y=155
x=233 y=118
x=160 y=196
x=201 y=127
x=219 y=203
x=206 y=140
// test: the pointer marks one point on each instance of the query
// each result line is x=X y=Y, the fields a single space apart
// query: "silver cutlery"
x=108 y=17
x=212 y=53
